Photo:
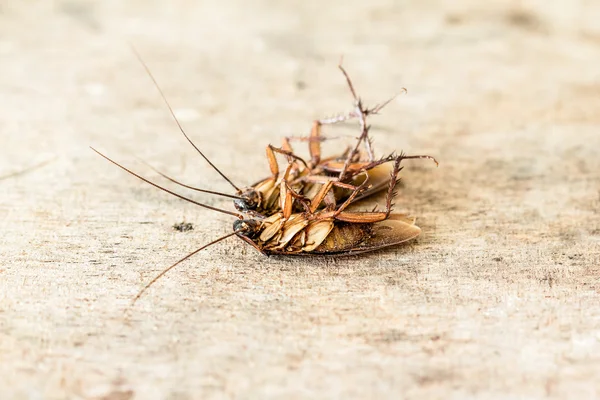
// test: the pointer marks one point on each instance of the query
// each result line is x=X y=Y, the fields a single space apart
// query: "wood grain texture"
x=497 y=298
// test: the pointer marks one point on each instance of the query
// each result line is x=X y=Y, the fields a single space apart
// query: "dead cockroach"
x=331 y=179
x=304 y=179
x=322 y=227
x=330 y=231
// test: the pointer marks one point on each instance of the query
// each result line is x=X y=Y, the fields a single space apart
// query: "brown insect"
x=322 y=227
x=303 y=181
x=332 y=179
x=324 y=232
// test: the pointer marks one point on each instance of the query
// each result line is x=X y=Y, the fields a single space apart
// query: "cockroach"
x=262 y=198
x=327 y=230
x=337 y=176
x=324 y=232
x=304 y=180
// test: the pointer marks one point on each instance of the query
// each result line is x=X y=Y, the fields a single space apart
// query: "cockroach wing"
x=353 y=238
x=396 y=229
x=379 y=179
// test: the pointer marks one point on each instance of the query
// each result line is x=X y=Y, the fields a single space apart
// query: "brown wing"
x=379 y=179
x=348 y=239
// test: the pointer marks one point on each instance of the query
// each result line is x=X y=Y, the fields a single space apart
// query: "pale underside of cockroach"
x=269 y=189
x=301 y=236
x=331 y=230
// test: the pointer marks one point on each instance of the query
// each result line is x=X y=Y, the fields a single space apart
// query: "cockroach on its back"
x=324 y=232
x=323 y=227
x=319 y=174
x=338 y=173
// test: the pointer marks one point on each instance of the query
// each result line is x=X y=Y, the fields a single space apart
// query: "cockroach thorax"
x=250 y=199
x=247 y=227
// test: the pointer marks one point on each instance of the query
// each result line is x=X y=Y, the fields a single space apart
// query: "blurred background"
x=498 y=297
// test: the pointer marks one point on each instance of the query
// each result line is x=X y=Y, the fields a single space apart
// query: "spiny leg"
x=370 y=216
x=286 y=153
x=391 y=194
x=286 y=200
x=359 y=112
x=323 y=179
x=326 y=190
x=352 y=196
x=286 y=146
x=274 y=165
x=302 y=199
x=287 y=195
x=354 y=168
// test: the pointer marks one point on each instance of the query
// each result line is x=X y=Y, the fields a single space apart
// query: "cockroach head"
x=249 y=200
x=247 y=227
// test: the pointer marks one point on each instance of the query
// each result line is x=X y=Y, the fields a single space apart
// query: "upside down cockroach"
x=323 y=232
x=323 y=227
x=305 y=180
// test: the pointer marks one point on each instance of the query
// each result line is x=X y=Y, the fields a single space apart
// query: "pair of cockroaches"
x=304 y=209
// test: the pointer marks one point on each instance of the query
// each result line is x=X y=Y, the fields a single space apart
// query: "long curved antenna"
x=157 y=277
x=175 y=118
x=188 y=186
x=167 y=190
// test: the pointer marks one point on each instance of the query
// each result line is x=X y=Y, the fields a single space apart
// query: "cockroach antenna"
x=164 y=271
x=175 y=118
x=188 y=186
x=239 y=216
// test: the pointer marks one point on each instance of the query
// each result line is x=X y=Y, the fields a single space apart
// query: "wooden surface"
x=498 y=298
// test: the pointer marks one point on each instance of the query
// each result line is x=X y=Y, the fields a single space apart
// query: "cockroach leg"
x=273 y=165
x=287 y=195
x=329 y=200
x=289 y=154
x=352 y=196
x=324 y=179
x=328 y=184
x=314 y=146
x=316 y=201
x=372 y=217
x=286 y=199
x=302 y=199
x=437 y=164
